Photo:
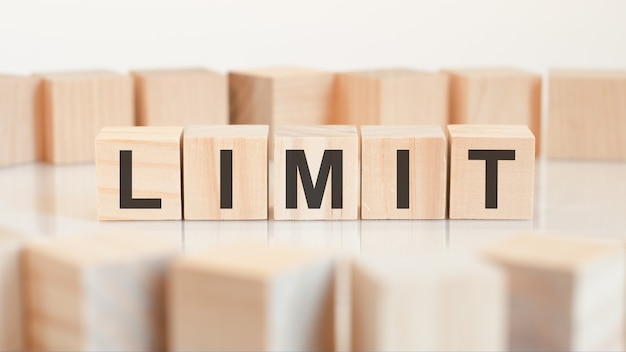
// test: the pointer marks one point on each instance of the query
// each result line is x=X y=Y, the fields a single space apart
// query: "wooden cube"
x=252 y=298
x=492 y=169
x=316 y=173
x=566 y=294
x=496 y=96
x=139 y=173
x=403 y=172
x=225 y=172
x=75 y=106
x=11 y=319
x=392 y=97
x=587 y=114
x=17 y=116
x=99 y=292
x=180 y=97
x=447 y=302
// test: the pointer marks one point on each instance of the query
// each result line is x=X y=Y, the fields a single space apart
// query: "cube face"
x=316 y=173
x=587 y=114
x=17 y=119
x=403 y=172
x=11 y=314
x=492 y=171
x=181 y=97
x=225 y=172
x=75 y=106
x=152 y=188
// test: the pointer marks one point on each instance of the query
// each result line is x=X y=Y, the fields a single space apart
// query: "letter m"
x=296 y=160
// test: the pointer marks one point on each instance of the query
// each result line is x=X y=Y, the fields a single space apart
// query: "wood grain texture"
x=427 y=172
x=183 y=97
x=202 y=146
x=587 y=114
x=314 y=141
x=392 y=97
x=252 y=298
x=156 y=171
x=443 y=302
x=496 y=96
x=75 y=106
x=17 y=119
x=468 y=178
x=99 y=292
x=560 y=289
x=11 y=314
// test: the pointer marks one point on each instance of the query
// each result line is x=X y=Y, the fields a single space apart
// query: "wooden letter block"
x=225 y=172
x=17 y=119
x=180 y=97
x=139 y=173
x=11 y=320
x=252 y=298
x=442 y=303
x=97 y=293
x=392 y=97
x=566 y=294
x=492 y=169
x=316 y=173
x=75 y=106
x=403 y=172
x=587 y=114
x=496 y=96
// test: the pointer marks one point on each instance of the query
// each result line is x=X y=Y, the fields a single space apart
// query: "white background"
x=336 y=35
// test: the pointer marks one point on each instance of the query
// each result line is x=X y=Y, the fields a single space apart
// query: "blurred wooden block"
x=392 y=97
x=492 y=169
x=498 y=96
x=97 y=293
x=587 y=114
x=439 y=303
x=225 y=172
x=316 y=173
x=403 y=172
x=180 y=97
x=17 y=119
x=11 y=319
x=560 y=290
x=149 y=187
x=75 y=106
x=252 y=298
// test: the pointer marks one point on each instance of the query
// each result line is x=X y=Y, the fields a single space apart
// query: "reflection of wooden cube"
x=11 y=337
x=17 y=118
x=447 y=302
x=499 y=96
x=97 y=293
x=252 y=298
x=566 y=294
x=180 y=97
x=75 y=106
x=492 y=169
x=392 y=97
x=225 y=172
x=403 y=172
x=151 y=190
x=587 y=114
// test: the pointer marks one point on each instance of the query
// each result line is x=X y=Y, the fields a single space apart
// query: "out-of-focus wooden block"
x=447 y=302
x=17 y=119
x=97 y=293
x=496 y=96
x=316 y=173
x=75 y=106
x=152 y=189
x=403 y=172
x=587 y=114
x=252 y=298
x=392 y=97
x=225 y=172
x=492 y=169
x=566 y=294
x=180 y=97
x=11 y=320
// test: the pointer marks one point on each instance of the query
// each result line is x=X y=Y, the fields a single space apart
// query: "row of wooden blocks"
x=55 y=116
x=320 y=172
x=132 y=292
